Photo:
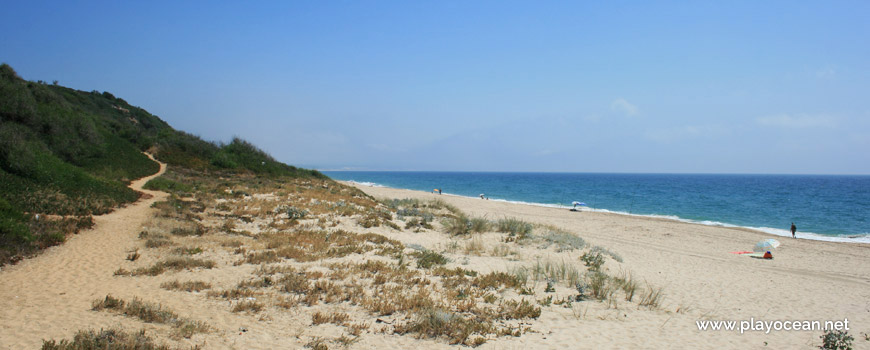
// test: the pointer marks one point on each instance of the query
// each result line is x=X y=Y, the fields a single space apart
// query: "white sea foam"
x=365 y=183
x=854 y=238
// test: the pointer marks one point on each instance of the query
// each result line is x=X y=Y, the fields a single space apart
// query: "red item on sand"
x=768 y=255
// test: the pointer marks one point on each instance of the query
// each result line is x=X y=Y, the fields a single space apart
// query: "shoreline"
x=701 y=276
x=767 y=231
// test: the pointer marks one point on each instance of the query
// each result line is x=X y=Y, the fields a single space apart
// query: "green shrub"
x=516 y=228
x=114 y=339
x=428 y=258
x=479 y=225
x=839 y=340
x=457 y=225
x=167 y=185
x=593 y=260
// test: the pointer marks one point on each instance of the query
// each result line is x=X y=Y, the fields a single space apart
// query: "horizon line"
x=591 y=172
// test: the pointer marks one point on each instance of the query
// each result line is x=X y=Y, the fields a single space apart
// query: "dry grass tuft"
x=188 y=286
x=434 y=323
x=248 y=306
x=151 y=313
x=114 y=339
x=338 y=318
x=652 y=297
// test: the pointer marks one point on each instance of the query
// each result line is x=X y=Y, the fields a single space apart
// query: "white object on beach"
x=576 y=203
x=766 y=245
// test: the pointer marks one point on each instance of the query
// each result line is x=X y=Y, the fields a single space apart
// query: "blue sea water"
x=832 y=208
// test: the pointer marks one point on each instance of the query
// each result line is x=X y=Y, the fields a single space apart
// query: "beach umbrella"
x=576 y=203
x=766 y=245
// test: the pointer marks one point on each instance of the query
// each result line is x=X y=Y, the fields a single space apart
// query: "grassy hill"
x=72 y=153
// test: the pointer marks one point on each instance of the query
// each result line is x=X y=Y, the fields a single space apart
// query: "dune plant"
x=836 y=340
x=115 y=339
x=515 y=228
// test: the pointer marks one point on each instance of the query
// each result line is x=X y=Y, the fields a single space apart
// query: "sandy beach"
x=806 y=280
x=50 y=296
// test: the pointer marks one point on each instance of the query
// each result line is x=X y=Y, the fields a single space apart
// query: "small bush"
x=564 y=241
x=148 y=312
x=427 y=258
x=174 y=263
x=437 y=323
x=479 y=225
x=114 y=339
x=248 y=305
x=839 y=340
x=296 y=214
x=593 y=260
x=166 y=185
x=457 y=225
x=188 y=286
x=515 y=310
x=515 y=228
x=497 y=280
x=338 y=318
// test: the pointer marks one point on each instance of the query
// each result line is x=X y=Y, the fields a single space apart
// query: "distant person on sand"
x=437 y=190
x=793 y=230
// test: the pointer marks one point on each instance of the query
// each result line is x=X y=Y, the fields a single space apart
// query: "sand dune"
x=50 y=296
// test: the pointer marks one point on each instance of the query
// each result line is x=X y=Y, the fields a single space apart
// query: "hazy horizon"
x=661 y=87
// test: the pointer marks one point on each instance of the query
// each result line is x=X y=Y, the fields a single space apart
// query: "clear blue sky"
x=687 y=86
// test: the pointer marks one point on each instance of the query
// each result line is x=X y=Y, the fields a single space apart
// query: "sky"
x=542 y=86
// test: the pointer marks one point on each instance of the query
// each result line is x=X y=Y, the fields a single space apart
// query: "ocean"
x=823 y=207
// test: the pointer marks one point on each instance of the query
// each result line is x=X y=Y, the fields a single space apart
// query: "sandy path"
x=44 y=297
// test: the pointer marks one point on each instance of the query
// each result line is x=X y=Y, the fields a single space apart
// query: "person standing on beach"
x=793 y=230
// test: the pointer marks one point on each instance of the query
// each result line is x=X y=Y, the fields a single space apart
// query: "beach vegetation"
x=604 y=251
x=516 y=229
x=72 y=153
x=337 y=318
x=836 y=340
x=479 y=225
x=517 y=310
x=498 y=280
x=600 y=286
x=652 y=296
x=628 y=285
x=427 y=259
x=555 y=271
x=166 y=185
x=474 y=246
x=133 y=255
x=563 y=240
x=317 y=343
x=593 y=260
x=248 y=306
x=172 y=263
x=457 y=225
x=187 y=286
x=115 y=339
x=151 y=313
x=435 y=323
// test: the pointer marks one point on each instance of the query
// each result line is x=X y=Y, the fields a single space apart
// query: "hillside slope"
x=71 y=153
